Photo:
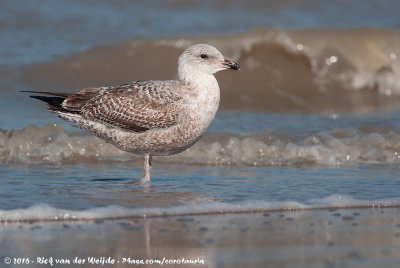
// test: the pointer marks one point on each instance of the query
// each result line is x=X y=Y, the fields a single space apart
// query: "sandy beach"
x=314 y=238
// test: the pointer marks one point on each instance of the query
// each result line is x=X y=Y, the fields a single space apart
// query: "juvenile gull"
x=150 y=117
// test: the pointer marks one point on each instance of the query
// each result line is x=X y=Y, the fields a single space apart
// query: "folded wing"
x=134 y=108
x=138 y=106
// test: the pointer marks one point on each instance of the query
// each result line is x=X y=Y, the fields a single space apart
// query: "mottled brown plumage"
x=150 y=117
x=138 y=106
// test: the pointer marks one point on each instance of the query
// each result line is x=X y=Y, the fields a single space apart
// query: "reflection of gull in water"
x=150 y=117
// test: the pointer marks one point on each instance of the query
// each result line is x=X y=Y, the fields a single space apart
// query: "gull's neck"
x=206 y=95
x=201 y=81
x=197 y=79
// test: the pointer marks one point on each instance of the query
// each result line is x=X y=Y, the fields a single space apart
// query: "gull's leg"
x=147 y=168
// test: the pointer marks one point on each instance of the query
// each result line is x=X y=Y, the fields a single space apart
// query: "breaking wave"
x=53 y=145
x=353 y=70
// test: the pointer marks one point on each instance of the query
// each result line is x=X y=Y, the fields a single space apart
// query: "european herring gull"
x=150 y=117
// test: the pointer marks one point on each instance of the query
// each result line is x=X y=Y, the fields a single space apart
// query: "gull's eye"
x=204 y=56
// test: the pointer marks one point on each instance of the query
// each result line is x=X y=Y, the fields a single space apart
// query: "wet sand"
x=314 y=238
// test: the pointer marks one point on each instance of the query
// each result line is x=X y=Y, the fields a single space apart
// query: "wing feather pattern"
x=138 y=106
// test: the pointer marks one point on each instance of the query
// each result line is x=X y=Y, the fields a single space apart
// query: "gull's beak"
x=231 y=65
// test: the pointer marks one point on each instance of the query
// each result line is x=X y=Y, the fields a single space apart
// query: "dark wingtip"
x=62 y=95
x=53 y=103
x=49 y=100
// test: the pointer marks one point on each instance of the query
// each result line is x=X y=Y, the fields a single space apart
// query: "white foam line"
x=44 y=212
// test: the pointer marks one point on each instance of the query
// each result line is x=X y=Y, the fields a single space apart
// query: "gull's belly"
x=169 y=141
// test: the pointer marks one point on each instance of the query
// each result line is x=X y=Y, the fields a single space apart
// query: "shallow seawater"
x=108 y=185
x=85 y=187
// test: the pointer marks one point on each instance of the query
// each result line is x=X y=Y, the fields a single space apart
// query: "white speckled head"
x=202 y=59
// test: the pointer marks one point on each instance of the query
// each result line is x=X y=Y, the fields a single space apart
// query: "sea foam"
x=53 y=145
x=45 y=212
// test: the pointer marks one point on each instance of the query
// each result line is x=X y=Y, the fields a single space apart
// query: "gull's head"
x=203 y=59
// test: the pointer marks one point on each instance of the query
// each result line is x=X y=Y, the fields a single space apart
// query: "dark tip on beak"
x=231 y=65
